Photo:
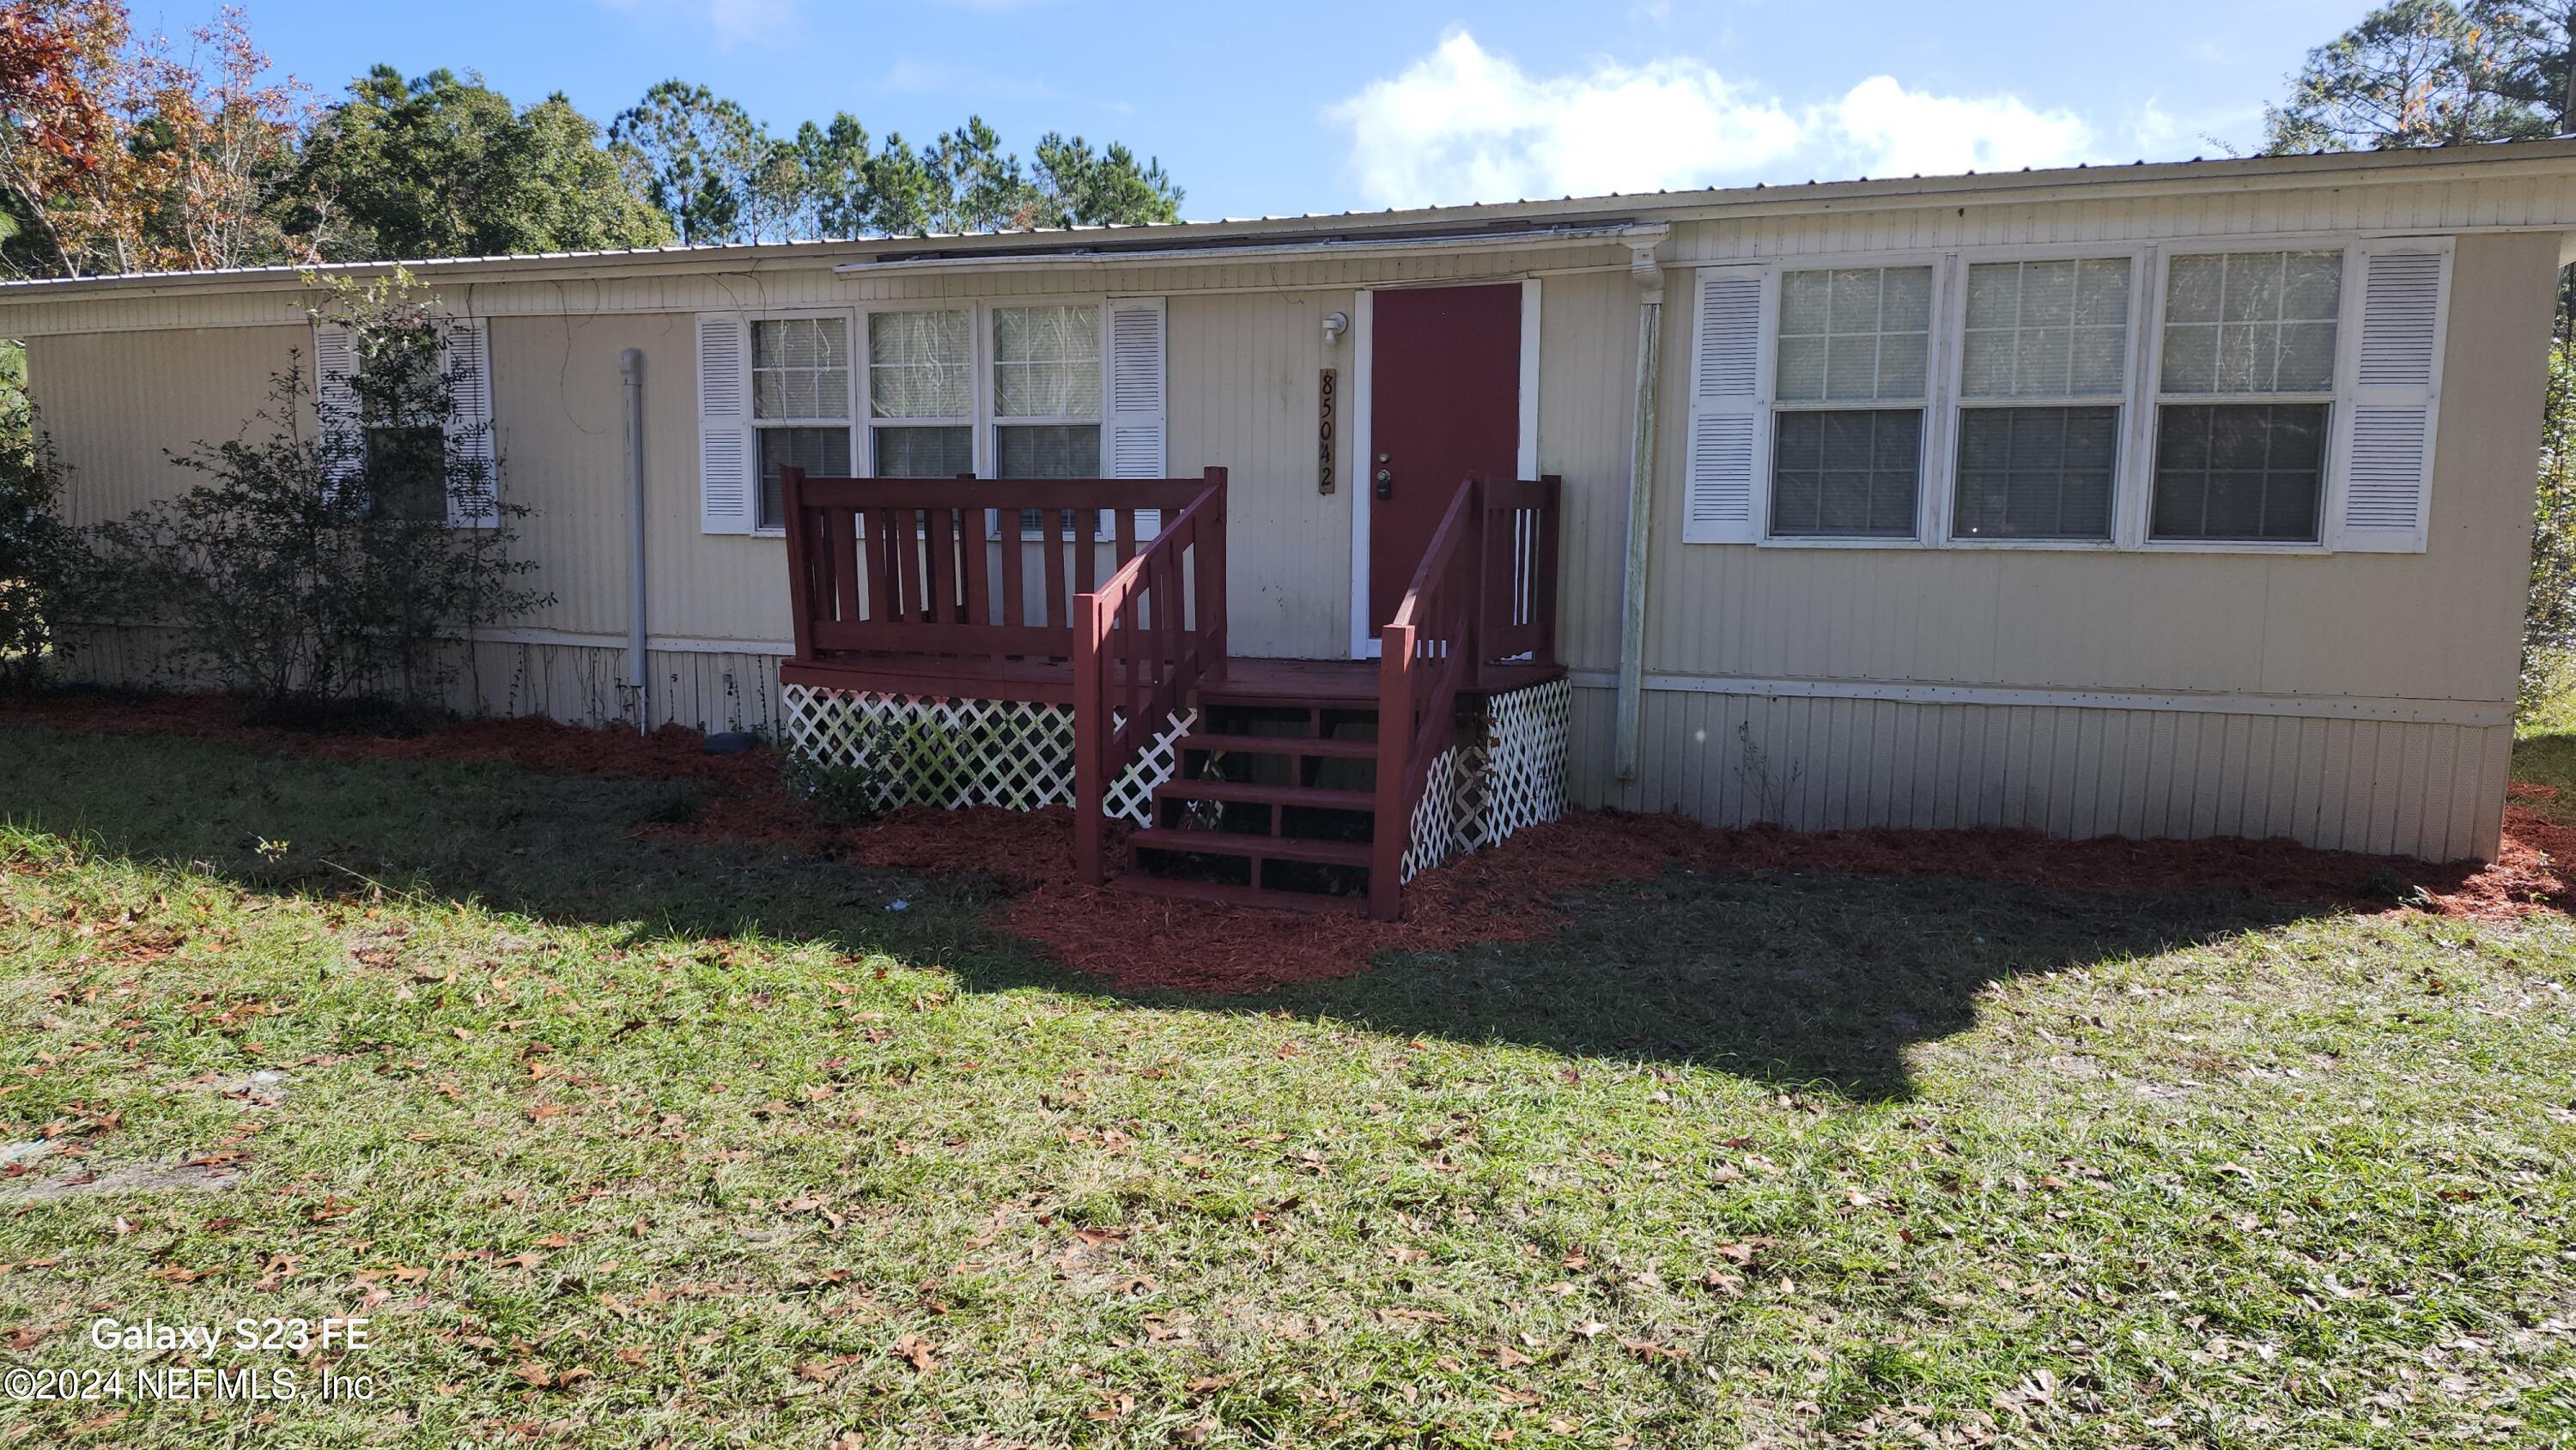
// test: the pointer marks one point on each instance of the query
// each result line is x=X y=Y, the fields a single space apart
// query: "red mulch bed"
x=1496 y=896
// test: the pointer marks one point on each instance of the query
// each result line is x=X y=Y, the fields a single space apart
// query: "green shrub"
x=309 y=571
x=841 y=795
x=35 y=546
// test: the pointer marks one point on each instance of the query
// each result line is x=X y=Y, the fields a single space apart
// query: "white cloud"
x=1464 y=125
x=765 y=21
x=1887 y=130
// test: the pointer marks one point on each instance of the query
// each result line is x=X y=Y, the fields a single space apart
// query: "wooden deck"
x=1299 y=782
x=1337 y=684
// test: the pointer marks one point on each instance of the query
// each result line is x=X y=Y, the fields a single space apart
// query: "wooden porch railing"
x=1485 y=594
x=917 y=568
x=1517 y=583
x=1141 y=643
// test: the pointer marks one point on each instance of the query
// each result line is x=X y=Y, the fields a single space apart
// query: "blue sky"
x=1319 y=105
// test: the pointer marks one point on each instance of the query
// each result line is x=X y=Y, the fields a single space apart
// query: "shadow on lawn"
x=1799 y=979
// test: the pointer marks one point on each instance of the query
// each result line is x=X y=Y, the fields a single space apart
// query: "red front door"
x=1444 y=405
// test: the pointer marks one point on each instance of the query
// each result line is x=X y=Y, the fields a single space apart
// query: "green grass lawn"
x=633 y=1141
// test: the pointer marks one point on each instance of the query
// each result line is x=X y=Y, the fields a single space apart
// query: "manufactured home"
x=2157 y=500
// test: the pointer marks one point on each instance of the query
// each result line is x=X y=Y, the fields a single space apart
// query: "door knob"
x=1385 y=484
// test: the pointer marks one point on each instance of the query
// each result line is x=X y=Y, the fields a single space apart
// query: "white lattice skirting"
x=1516 y=778
x=1016 y=754
x=1504 y=775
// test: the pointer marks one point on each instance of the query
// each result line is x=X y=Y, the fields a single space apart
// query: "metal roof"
x=2263 y=172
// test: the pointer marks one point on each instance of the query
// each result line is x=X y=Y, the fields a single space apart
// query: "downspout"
x=630 y=368
x=1648 y=274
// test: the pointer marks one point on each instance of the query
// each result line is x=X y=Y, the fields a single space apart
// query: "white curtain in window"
x=800 y=367
x=1856 y=334
x=2252 y=323
x=921 y=365
x=2047 y=329
x=1046 y=362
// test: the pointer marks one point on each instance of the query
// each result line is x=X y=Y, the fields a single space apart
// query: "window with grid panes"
x=2043 y=364
x=1046 y=394
x=2246 y=394
x=800 y=403
x=1850 y=381
x=921 y=394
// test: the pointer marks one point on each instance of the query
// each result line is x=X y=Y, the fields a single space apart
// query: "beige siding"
x=117 y=405
x=1825 y=763
x=1587 y=391
x=560 y=415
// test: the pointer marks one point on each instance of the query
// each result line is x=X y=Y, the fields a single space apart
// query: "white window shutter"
x=1136 y=391
x=725 y=463
x=335 y=401
x=2391 y=398
x=1721 y=503
x=473 y=468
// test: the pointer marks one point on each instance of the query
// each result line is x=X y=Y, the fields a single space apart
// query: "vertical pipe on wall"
x=1649 y=277
x=630 y=369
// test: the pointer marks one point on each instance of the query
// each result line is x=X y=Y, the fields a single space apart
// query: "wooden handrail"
x=1427 y=652
x=1482 y=602
x=1141 y=642
x=974 y=568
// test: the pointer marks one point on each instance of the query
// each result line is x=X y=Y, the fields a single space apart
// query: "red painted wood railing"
x=944 y=567
x=1483 y=600
x=1141 y=643
x=1517 y=580
x=1427 y=653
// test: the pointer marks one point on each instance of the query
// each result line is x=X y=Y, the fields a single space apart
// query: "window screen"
x=2042 y=337
x=1851 y=341
x=407 y=473
x=1846 y=472
x=2036 y=473
x=824 y=452
x=2230 y=472
x=2260 y=326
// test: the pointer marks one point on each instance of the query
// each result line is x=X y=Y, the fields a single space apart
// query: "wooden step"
x=1283 y=745
x=1329 y=684
x=1234 y=895
x=1248 y=793
x=1237 y=843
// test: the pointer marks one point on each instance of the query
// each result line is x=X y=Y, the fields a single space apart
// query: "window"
x=2247 y=390
x=1046 y=394
x=400 y=388
x=921 y=394
x=800 y=403
x=1849 y=392
x=407 y=472
x=2043 y=364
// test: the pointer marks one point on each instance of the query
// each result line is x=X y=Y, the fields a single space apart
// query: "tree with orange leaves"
x=124 y=156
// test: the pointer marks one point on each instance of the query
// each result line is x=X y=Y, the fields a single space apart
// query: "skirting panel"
x=1505 y=773
x=2391 y=788
x=577 y=684
x=1015 y=754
